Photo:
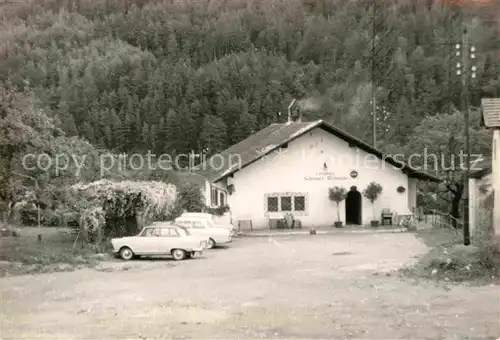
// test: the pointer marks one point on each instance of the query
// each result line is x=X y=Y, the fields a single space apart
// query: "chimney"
x=294 y=118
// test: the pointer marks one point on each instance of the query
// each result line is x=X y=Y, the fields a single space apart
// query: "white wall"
x=304 y=157
x=496 y=181
x=412 y=194
x=476 y=196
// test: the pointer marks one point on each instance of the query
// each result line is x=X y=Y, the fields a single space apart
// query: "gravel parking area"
x=309 y=287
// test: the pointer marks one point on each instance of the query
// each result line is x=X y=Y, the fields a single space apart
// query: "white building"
x=290 y=167
x=491 y=120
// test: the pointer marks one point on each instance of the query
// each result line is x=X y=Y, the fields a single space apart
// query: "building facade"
x=491 y=120
x=289 y=168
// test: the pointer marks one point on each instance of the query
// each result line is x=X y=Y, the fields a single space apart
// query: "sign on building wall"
x=325 y=176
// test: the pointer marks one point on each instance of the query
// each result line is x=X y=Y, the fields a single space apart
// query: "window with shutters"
x=299 y=203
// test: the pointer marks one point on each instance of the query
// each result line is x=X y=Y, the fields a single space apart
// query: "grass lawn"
x=55 y=252
x=448 y=259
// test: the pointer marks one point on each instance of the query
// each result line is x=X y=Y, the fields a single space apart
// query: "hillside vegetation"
x=174 y=76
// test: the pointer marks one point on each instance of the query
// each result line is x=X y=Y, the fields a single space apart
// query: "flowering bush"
x=337 y=195
x=113 y=206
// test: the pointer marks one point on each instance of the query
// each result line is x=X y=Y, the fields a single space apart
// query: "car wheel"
x=178 y=254
x=126 y=253
x=211 y=243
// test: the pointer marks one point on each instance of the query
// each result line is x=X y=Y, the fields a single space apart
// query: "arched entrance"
x=353 y=207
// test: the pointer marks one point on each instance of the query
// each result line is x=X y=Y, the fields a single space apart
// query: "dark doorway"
x=353 y=207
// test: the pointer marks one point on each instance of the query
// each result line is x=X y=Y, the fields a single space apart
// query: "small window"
x=272 y=204
x=198 y=225
x=168 y=232
x=148 y=232
x=221 y=200
x=299 y=203
x=214 y=197
x=286 y=203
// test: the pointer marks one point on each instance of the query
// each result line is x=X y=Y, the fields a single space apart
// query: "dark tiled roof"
x=481 y=168
x=491 y=112
x=275 y=136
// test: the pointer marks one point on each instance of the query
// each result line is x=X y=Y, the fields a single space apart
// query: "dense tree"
x=437 y=145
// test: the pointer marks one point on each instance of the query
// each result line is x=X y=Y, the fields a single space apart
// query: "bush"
x=372 y=192
x=337 y=195
x=190 y=199
x=28 y=216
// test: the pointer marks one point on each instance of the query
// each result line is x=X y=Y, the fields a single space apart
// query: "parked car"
x=154 y=240
x=192 y=216
x=206 y=227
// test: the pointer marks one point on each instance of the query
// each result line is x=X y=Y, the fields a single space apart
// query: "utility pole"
x=466 y=71
x=374 y=99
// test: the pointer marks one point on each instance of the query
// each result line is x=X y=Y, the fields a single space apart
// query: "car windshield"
x=211 y=224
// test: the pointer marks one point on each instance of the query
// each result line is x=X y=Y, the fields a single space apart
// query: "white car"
x=207 y=228
x=160 y=240
x=205 y=216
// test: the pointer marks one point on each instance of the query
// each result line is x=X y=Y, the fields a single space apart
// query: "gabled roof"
x=276 y=136
x=481 y=168
x=491 y=112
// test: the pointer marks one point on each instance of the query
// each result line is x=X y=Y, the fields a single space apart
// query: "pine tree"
x=245 y=126
x=213 y=134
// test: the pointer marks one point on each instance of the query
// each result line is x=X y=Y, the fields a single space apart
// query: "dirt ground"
x=308 y=287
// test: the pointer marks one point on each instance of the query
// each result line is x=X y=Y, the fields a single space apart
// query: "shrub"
x=29 y=217
x=119 y=208
x=337 y=195
x=191 y=199
x=372 y=192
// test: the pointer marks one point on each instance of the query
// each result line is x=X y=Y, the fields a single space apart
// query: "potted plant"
x=372 y=192
x=337 y=195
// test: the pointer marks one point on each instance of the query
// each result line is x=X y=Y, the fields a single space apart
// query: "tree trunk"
x=131 y=227
x=338 y=212
x=455 y=205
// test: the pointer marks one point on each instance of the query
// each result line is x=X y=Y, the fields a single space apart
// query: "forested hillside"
x=174 y=76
